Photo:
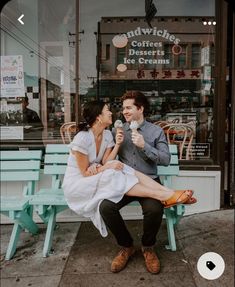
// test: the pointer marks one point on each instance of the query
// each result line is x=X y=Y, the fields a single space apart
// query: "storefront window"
x=172 y=63
x=37 y=71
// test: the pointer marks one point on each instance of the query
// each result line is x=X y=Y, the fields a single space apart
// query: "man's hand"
x=137 y=139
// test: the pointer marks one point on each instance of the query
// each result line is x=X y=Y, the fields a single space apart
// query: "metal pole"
x=77 y=96
x=98 y=61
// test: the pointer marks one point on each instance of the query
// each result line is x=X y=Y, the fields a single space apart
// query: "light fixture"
x=204 y=23
x=214 y=23
x=209 y=22
x=120 y=41
x=121 y=68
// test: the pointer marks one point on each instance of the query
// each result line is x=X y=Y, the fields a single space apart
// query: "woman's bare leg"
x=148 y=187
x=150 y=183
x=141 y=190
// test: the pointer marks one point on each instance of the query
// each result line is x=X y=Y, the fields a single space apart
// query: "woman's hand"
x=115 y=164
x=93 y=169
x=119 y=136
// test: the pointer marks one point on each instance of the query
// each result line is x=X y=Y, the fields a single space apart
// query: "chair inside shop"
x=182 y=135
x=68 y=131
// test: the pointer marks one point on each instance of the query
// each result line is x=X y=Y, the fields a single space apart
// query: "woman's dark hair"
x=91 y=111
x=139 y=98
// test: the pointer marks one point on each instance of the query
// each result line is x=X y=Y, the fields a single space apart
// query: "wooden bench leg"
x=50 y=231
x=179 y=212
x=170 y=221
x=11 y=249
x=27 y=222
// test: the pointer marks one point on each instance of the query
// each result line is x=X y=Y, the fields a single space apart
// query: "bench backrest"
x=20 y=165
x=57 y=155
x=166 y=172
x=55 y=162
x=173 y=167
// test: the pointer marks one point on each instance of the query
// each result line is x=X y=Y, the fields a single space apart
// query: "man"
x=143 y=150
x=32 y=124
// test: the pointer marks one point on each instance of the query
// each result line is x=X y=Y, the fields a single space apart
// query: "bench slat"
x=168 y=170
x=57 y=148
x=20 y=155
x=173 y=149
x=174 y=159
x=13 y=203
x=21 y=165
x=54 y=169
x=19 y=175
x=56 y=158
x=48 y=199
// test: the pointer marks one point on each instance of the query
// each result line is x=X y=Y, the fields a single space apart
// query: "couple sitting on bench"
x=98 y=186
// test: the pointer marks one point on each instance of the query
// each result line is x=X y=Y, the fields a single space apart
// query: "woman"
x=93 y=174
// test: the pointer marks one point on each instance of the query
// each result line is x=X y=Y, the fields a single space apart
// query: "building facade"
x=67 y=53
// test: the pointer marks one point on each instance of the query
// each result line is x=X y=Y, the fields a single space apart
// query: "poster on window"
x=12 y=133
x=12 y=77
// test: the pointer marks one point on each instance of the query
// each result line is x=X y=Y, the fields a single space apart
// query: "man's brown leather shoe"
x=120 y=261
x=151 y=260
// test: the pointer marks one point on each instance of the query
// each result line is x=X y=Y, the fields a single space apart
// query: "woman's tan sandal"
x=179 y=197
x=191 y=200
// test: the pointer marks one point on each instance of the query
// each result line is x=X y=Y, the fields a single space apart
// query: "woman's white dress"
x=84 y=194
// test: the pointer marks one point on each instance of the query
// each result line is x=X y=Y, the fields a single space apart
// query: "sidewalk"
x=86 y=261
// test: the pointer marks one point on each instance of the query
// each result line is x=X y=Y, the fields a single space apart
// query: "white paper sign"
x=205 y=56
x=12 y=76
x=12 y=133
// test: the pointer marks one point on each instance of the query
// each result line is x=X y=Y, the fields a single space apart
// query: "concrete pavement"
x=82 y=258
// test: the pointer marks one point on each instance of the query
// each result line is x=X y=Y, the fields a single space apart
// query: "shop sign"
x=199 y=150
x=12 y=76
x=168 y=74
x=146 y=52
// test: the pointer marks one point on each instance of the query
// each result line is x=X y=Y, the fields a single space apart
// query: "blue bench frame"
x=17 y=166
x=49 y=202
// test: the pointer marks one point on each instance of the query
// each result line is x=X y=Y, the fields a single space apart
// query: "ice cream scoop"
x=118 y=124
x=134 y=125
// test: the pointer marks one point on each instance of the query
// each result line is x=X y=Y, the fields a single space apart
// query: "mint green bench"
x=49 y=202
x=175 y=213
x=19 y=166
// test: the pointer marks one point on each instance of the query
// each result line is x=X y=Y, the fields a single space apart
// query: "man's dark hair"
x=139 y=98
